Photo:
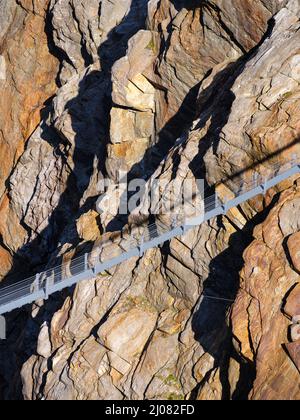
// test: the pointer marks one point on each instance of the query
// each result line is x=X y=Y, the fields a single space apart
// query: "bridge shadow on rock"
x=175 y=128
x=89 y=113
x=191 y=108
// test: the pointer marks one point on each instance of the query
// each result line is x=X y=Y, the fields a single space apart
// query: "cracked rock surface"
x=164 y=90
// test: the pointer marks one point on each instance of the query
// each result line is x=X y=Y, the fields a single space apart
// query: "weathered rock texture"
x=261 y=318
x=27 y=81
x=213 y=314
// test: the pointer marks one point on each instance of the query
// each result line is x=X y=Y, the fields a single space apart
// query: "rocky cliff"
x=163 y=90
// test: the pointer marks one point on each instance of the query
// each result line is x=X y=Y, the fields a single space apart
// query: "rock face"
x=260 y=317
x=27 y=81
x=164 y=90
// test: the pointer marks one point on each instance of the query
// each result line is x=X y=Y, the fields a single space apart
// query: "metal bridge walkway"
x=109 y=255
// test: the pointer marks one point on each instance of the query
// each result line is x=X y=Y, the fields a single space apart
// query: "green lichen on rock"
x=175 y=397
x=151 y=46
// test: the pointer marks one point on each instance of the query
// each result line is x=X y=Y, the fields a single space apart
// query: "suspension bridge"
x=138 y=241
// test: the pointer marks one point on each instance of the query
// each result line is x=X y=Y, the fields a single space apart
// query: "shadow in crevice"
x=88 y=126
x=211 y=319
x=89 y=114
x=21 y=344
x=209 y=323
x=188 y=4
x=58 y=53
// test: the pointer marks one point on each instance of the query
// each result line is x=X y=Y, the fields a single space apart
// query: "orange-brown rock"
x=87 y=226
x=6 y=260
x=294 y=250
x=295 y=332
x=292 y=306
x=294 y=352
x=260 y=328
x=27 y=80
x=161 y=326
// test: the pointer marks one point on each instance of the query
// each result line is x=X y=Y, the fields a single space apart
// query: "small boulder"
x=293 y=350
x=292 y=306
x=126 y=334
x=87 y=226
x=44 y=347
x=295 y=332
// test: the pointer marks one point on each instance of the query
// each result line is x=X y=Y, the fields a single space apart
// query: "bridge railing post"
x=2 y=328
x=258 y=182
x=48 y=283
x=296 y=161
x=141 y=246
x=46 y=288
x=255 y=179
x=35 y=287
x=217 y=201
x=174 y=221
x=224 y=208
x=86 y=261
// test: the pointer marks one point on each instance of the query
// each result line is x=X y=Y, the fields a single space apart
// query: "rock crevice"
x=163 y=90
